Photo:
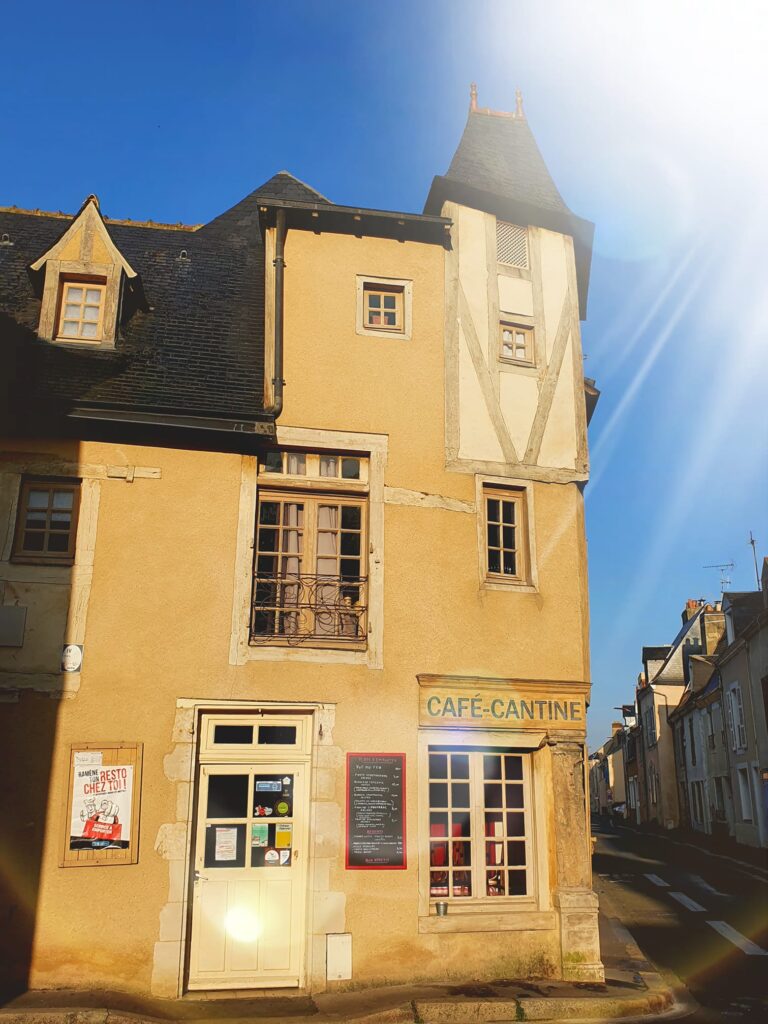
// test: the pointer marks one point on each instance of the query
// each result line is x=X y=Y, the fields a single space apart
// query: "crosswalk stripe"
x=745 y=944
x=658 y=881
x=686 y=901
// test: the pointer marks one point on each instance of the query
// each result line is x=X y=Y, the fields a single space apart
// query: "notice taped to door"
x=375 y=811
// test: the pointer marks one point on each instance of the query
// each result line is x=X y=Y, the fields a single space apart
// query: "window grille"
x=511 y=244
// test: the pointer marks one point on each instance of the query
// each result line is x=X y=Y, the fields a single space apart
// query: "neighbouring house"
x=293 y=589
x=743 y=671
x=607 y=775
x=700 y=753
x=661 y=685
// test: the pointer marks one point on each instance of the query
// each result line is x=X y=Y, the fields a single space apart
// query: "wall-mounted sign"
x=501 y=704
x=375 y=811
x=72 y=657
x=103 y=804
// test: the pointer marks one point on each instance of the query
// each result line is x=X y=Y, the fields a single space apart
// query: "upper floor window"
x=310 y=559
x=650 y=727
x=512 y=244
x=505 y=535
x=46 y=522
x=736 y=721
x=516 y=343
x=384 y=307
x=81 y=311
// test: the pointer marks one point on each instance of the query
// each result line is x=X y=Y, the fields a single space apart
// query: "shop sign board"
x=375 y=811
x=502 y=704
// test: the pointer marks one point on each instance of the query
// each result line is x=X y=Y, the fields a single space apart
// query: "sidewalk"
x=632 y=989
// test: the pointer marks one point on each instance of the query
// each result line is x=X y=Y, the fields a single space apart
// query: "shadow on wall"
x=30 y=663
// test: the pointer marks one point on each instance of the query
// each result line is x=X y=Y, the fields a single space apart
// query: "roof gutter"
x=279 y=264
x=161 y=419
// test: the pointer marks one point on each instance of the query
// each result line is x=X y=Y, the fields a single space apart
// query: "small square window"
x=46 y=522
x=516 y=343
x=81 y=311
x=384 y=307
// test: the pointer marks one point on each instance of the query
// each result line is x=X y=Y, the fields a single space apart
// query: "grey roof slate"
x=243 y=217
x=498 y=153
x=196 y=349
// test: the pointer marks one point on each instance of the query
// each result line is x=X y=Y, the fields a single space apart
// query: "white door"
x=248 y=907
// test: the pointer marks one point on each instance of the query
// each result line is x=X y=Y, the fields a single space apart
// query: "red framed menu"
x=375 y=812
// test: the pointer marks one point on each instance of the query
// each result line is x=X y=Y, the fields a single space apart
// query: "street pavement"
x=699 y=917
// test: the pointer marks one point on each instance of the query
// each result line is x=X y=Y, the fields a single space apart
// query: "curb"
x=485 y=1011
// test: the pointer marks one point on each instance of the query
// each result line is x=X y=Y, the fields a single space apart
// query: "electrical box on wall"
x=339 y=956
x=12 y=622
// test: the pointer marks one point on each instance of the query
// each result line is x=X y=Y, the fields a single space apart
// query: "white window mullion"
x=477 y=819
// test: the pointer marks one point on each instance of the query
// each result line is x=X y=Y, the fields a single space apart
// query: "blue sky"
x=652 y=120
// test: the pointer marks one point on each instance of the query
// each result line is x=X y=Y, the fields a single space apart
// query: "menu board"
x=376 y=811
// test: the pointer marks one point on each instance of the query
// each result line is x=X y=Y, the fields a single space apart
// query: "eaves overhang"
x=582 y=231
x=358 y=220
x=152 y=426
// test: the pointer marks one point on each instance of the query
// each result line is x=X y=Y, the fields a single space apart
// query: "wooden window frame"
x=326 y=490
x=366 y=285
x=112 y=754
x=76 y=280
x=51 y=484
x=517 y=498
x=381 y=291
x=478 y=839
x=530 y=343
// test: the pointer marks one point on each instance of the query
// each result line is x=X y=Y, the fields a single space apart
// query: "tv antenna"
x=725 y=568
x=753 y=544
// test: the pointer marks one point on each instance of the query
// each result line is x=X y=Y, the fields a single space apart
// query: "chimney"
x=712 y=630
x=691 y=607
x=616 y=727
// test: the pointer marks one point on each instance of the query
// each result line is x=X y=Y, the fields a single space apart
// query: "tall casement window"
x=310 y=559
x=479 y=825
x=81 y=311
x=505 y=535
x=736 y=722
x=46 y=522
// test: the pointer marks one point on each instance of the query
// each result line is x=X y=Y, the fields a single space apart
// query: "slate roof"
x=197 y=348
x=243 y=217
x=193 y=347
x=745 y=606
x=498 y=153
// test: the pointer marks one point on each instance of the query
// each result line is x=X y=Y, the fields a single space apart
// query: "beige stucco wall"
x=159 y=619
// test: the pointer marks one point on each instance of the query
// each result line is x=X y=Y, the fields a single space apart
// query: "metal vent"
x=511 y=244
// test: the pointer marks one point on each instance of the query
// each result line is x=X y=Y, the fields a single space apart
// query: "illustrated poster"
x=102 y=799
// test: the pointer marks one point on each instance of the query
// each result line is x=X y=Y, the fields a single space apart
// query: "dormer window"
x=81 y=282
x=81 y=316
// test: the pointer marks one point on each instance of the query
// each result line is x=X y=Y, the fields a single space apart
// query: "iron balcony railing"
x=297 y=608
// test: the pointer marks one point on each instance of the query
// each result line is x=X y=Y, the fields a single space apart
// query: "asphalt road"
x=702 y=918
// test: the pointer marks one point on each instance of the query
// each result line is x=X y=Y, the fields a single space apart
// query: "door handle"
x=199 y=878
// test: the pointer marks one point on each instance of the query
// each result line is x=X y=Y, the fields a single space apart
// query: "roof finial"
x=519 y=112
x=473 y=96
